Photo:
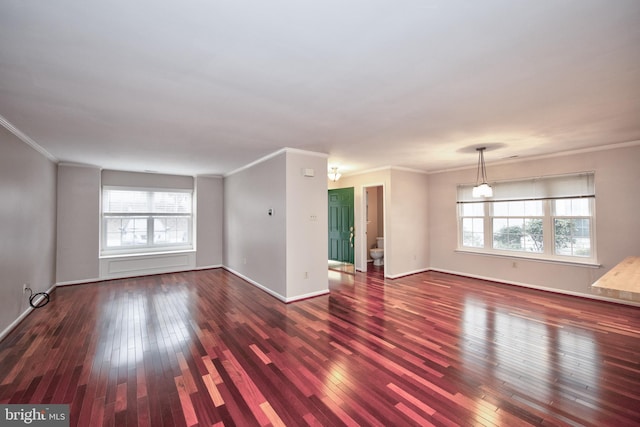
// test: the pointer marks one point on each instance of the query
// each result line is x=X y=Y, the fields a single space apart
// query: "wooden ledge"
x=622 y=281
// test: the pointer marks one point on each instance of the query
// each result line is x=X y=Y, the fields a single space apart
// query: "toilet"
x=378 y=253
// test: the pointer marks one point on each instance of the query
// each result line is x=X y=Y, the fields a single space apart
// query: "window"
x=548 y=217
x=517 y=226
x=572 y=227
x=134 y=219
x=472 y=215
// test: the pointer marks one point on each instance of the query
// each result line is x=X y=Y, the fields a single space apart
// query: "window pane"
x=125 y=232
x=518 y=234
x=472 y=209
x=473 y=232
x=170 y=230
x=562 y=207
x=572 y=207
x=170 y=202
x=135 y=231
x=508 y=233
x=533 y=208
x=500 y=209
x=518 y=208
x=113 y=230
x=124 y=201
x=533 y=239
x=580 y=207
x=572 y=237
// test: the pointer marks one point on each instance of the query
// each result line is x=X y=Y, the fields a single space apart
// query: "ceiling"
x=206 y=87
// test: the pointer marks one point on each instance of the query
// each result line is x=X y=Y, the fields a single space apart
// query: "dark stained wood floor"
x=206 y=348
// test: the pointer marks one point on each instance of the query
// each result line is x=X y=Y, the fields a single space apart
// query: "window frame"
x=591 y=218
x=549 y=252
x=149 y=216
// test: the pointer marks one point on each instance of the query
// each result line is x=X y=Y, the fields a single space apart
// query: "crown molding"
x=356 y=173
x=78 y=165
x=305 y=152
x=274 y=154
x=384 y=168
x=403 y=169
x=25 y=138
x=209 y=176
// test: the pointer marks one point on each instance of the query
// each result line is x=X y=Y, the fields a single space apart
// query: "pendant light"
x=482 y=189
x=334 y=175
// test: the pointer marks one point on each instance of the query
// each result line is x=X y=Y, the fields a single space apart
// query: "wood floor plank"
x=207 y=348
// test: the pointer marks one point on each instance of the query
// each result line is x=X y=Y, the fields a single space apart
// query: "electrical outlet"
x=306 y=274
x=514 y=265
x=25 y=287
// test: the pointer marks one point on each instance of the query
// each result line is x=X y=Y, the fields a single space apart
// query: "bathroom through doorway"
x=374 y=233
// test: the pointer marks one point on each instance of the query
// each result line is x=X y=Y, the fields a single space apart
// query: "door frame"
x=353 y=217
x=363 y=250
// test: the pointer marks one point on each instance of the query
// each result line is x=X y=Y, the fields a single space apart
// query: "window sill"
x=575 y=263
x=144 y=254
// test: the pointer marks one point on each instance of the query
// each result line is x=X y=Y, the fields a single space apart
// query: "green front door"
x=341 y=230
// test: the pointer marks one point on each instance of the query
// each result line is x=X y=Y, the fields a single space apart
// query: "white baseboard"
x=408 y=273
x=306 y=296
x=273 y=293
x=15 y=323
x=207 y=267
x=256 y=284
x=79 y=282
x=22 y=316
x=539 y=288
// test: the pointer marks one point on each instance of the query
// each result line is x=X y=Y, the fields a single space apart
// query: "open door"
x=341 y=225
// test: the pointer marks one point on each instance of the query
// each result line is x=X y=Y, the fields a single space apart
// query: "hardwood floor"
x=206 y=348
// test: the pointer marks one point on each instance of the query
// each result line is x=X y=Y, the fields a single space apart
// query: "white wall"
x=285 y=253
x=27 y=224
x=209 y=214
x=408 y=232
x=78 y=223
x=617 y=174
x=255 y=242
x=307 y=225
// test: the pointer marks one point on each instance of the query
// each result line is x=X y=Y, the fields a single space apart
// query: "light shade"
x=482 y=189
x=334 y=175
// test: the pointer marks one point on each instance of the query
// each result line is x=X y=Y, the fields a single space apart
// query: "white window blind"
x=540 y=188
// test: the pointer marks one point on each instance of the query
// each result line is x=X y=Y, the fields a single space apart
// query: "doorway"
x=374 y=224
x=341 y=230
